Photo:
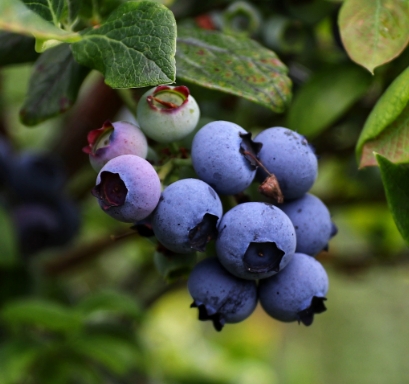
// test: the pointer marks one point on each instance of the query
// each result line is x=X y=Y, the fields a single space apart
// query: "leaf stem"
x=164 y=170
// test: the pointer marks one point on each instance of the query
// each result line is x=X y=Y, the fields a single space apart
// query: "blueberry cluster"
x=32 y=191
x=264 y=250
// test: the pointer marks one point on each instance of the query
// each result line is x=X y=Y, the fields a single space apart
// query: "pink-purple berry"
x=128 y=188
x=115 y=139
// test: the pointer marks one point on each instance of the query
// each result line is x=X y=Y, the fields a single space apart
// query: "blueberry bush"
x=241 y=163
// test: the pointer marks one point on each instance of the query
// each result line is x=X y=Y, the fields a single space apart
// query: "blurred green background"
x=97 y=311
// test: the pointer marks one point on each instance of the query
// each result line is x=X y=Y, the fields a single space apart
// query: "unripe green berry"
x=167 y=113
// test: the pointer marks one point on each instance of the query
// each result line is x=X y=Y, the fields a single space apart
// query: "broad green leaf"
x=16 y=49
x=386 y=128
x=395 y=178
x=8 y=242
x=135 y=46
x=54 y=85
x=97 y=9
x=50 y=10
x=16 y=17
x=325 y=98
x=16 y=358
x=393 y=142
x=110 y=302
x=374 y=31
x=113 y=353
x=235 y=65
x=40 y=313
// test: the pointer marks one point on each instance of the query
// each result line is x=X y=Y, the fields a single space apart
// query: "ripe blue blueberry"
x=288 y=156
x=37 y=177
x=297 y=292
x=34 y=225
x=128 y=188
x=255 y=241
x=69 y=220
x=40 y=225
x=220 y=296
x=115 y=139
x=312 y=223
x=187 y=216
x=167 y=113
x=219 y=156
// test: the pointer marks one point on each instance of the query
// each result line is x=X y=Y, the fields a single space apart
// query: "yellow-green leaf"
x=16 y=17
x=374 y=31
x=386 y=129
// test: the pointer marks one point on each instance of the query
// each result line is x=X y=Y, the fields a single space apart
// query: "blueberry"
x=220 y=296
x=334 y=229
x=218 y=156
x=128 y=188
x=167 y=113
x=187 y=216
x=35 y=224
x=255 y=241
x=40 y=226
x=290 y=158
x=312 y=223
x=297 y=292
x=37 y=176
x=69 y=221
x=115 y=139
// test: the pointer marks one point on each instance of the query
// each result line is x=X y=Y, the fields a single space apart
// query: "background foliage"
x=97 y=310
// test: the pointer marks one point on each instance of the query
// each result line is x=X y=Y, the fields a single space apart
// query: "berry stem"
x=256 y=160
x=76 y=256
x=270 y=186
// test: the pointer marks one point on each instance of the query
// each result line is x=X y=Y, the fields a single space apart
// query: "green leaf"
x=73 y=9
x=50 y=10
x=235 y=65
x=54 y=85
x=386 y=128
x=113 y=353
x=16 y=49
x=8 y=242
x=16 y=17
x=110 y=302
x=395 y=178
x=40 y=313
x=374 y=31
x=96 y=9
x=393 y=142
x=16 y=358
x=134 y=47
x=325 y=98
